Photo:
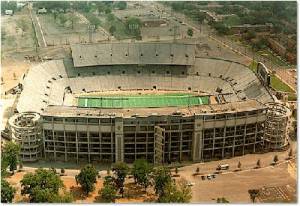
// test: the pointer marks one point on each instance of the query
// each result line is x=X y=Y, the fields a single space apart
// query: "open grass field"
x=142 y=101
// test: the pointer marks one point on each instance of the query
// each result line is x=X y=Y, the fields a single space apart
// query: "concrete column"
x=119 y=138
x=197 y=142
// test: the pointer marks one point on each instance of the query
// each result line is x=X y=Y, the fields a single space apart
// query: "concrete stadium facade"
x=233 y=126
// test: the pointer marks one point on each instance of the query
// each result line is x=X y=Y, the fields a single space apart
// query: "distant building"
x=249 y=27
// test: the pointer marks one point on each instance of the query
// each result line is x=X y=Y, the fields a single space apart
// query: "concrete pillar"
x=119 y=139
x=197 y=142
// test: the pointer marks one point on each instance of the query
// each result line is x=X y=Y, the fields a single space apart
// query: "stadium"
x=111 y=102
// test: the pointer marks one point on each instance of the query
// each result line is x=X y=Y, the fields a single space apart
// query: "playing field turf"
x=142 y=101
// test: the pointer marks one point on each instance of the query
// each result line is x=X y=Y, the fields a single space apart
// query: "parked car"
x=190 y=184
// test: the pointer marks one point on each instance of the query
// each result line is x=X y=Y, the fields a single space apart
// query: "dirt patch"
x=12 y=71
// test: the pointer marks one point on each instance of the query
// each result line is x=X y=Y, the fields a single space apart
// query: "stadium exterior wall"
x=198 y=137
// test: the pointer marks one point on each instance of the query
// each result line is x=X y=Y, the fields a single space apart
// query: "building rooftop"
x=64 y=111
x=85 y=55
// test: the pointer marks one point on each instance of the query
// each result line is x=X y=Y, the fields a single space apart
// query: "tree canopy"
x=141 y=172
x=11 y=152
x=120 y=170
x=87 y=178
x=108 y=193
x=162 y=177
x=41 y=186
x=176 y=193
x=7 y=192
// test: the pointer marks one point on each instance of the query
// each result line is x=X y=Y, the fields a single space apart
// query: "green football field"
x=142 y=101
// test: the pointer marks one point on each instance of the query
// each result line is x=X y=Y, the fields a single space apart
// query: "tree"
x=275 y=159
x=239 y=166
x=112 y=29
x=120 y=170
x=42 y=186
x=108 y=193
x=141 y=172
x=62 y=19
x=190 y=32
x=258 y=163
x=176 y=170
x=87 y=178
x=291 y=153
x=121 y=5
x=133 y=25
x=253 y=194
x=222 y=200
x=4 y=166
x=7 y=192
x=107 y=10
x=74 y=19
x=93 y=20
x=11 y=153
x=221 y=28
x=176 y=193
x=162 y=176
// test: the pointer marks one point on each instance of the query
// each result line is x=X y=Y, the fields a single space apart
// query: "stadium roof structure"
x=85 y=55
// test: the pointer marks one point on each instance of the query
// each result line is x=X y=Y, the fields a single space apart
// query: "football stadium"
x=111 y=102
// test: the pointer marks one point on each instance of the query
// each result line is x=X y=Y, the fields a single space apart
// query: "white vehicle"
x=190 y=184
x=223 y=167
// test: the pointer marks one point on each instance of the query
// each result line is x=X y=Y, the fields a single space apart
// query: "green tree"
x=176 y=170
x=253 y=194
x=4 y=166
x=162 y=177
x=42 y=186
x=190 y=32
x=7 y=192
x=291 y=153
x=275 y=159
x=11 y=152
x=121 y=5
x=62 y=19
x=108 y=193
x=222 y=200
x=239 y=166
x=107 y=10
x=112 y=29
x=258 y=163
x=141 y=172
x=87 y=178
x=133 y=26
x=120 y=170
x=93 y=20
x=221 y=28
x=73 y=19
x=176 y=193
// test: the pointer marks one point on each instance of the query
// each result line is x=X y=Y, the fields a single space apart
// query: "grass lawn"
x=278 y=85
x=121 y=31
x=253 y=66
